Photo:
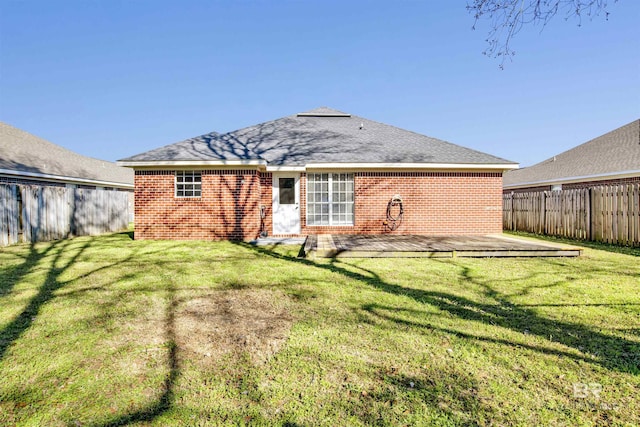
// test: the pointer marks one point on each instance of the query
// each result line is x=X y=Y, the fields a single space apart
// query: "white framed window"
x=188 y=184
x=330 y=199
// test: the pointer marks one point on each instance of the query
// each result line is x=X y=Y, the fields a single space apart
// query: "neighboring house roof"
x=25 y=155
x=613 y=155
x=315 y=138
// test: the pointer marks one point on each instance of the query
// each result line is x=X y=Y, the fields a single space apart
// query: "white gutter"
x=572 y=179
x=457 y=166
x=65 y=179
x=286 y=168
x=350 y=166
x=196 y=163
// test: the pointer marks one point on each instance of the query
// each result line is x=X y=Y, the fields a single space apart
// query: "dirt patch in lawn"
x=238 y=322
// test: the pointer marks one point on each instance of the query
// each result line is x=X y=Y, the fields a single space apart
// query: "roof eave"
x=262 y=164
x=63 y=179
x=155 y=164
x=415 y=166
x=574 y=179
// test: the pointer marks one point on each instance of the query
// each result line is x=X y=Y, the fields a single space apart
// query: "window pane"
x=188 y=184
x=330 y=199
x=287 y=191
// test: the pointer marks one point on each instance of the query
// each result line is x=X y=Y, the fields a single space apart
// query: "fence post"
x=513 y=212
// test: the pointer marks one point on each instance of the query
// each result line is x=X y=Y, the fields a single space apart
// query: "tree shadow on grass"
x=165 y=400
x=611 y=352
x=64 y=254
x=12 y=275
x=608 y=247
x=58 y=249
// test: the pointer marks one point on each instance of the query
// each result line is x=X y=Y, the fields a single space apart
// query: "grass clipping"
x=236 y=322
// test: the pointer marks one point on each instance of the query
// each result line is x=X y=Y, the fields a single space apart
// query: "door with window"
x=286 y=203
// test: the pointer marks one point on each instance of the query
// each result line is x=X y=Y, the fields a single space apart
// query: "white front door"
x=286 y=203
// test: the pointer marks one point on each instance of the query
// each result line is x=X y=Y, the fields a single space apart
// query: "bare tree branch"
x=508 y=17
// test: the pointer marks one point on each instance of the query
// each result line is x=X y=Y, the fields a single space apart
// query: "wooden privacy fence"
x=608 y=213
x=32 y=213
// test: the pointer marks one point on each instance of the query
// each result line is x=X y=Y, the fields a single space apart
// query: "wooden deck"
x=397 y=246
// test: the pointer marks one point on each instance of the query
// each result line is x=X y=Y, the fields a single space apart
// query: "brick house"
x=322 y=171
x=610 y=159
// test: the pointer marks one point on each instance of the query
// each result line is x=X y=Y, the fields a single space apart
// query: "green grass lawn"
x=102 y=331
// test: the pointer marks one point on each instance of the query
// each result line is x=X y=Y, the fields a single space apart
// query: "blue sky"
x=110 y=79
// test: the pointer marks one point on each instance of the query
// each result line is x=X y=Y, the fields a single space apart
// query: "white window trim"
x=330 y=202
x=175 y=184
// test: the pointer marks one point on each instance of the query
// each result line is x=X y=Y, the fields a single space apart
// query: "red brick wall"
x=228 y=208
x=435 y=203
x=573 y=185
x=266 y=201
x=631 y=180
x=527 y=189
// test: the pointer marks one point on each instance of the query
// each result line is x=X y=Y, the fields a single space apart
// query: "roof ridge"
x=57 y=146
x=615 y=151
x=598 y=139
x=323 y=112
x=54 y=159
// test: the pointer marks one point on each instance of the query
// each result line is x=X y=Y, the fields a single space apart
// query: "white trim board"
x=573 y=179
x=63 y=179
x=262 y=165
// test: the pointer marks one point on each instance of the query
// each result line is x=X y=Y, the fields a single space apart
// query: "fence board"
x=50 y=213
x=609 y=214
x=5 y=200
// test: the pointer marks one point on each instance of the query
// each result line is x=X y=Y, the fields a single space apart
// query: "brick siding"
x=435 y=203
x=228 y=208
x=44 y=183
x=266 y=201
x=575 y=185
x=26 y=181
x=526 y=189
x=632 y=180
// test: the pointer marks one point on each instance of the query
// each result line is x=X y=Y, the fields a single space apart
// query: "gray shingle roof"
x=613 y=152
x=23 y=152
x=322 y=135
x=208 y=147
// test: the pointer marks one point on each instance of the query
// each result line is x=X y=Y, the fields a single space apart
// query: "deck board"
x=412 y=246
